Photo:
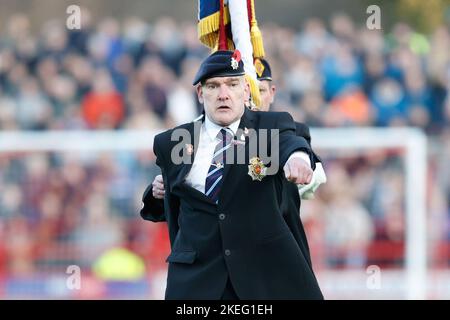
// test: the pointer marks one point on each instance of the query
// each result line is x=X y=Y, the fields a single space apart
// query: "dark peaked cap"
x=220 y=64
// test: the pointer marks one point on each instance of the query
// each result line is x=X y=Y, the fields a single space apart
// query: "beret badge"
x=235 y=58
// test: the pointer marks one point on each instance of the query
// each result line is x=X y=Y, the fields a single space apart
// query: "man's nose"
x=223 y=92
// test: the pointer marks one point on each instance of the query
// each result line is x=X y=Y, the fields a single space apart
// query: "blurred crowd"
x=59 y=209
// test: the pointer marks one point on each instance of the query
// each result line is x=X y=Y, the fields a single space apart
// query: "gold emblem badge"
x=259 y=67
x=256 y=169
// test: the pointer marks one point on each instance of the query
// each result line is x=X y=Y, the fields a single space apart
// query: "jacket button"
x=227 y=252
x=221 y=216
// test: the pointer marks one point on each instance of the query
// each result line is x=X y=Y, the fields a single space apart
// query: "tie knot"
x=225 y=134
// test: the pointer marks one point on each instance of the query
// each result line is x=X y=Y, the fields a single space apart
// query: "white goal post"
x=413 y=141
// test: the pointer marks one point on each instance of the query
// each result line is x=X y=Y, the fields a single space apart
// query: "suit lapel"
x=194 y=134
x=194 y=129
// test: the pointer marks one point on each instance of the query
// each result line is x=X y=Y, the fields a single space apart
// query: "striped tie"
x=215 y=172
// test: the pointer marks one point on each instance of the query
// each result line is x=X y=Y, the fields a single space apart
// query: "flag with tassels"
x=229 y=25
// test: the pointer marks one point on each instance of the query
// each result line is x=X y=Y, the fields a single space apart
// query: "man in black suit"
x=228 y=237
x=291 y=202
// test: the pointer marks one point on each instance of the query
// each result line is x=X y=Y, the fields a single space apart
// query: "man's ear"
x=246 y=93
x=199 y=90
x=273 y=90
x=246 y=90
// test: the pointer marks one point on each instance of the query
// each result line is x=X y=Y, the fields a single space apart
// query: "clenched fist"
x=298 y=171
x=158 y=187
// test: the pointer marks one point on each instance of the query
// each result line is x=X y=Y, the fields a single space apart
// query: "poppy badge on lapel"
x=189 y=149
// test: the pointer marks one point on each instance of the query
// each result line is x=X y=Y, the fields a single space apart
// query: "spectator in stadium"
x=227 y=242
x=103 y=108
x=3 y=257
x=348 y=226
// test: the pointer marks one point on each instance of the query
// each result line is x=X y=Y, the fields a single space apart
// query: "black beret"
x=220 y=64
x=263 y=71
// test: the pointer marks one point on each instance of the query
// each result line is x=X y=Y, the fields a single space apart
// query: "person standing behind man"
x=292 y=194
x=228 y=236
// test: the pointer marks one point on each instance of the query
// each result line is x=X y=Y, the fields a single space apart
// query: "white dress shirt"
x=207 y=142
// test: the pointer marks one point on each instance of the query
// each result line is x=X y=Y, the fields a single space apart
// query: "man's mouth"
x=223 y=108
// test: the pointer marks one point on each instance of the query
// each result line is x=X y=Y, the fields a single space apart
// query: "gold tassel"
x=254 y=90
x=257 y=41
x=255 y=34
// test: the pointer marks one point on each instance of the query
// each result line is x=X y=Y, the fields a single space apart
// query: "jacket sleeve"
x=289 y=142
x=153 y=209
x=168 y=209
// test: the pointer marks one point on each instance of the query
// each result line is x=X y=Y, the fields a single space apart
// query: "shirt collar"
x=212 y=129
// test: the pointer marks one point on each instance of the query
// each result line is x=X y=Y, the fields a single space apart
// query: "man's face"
x=267 y=93
x=223 y=98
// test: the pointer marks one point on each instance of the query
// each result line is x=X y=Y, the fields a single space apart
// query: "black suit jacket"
x=244 y=237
